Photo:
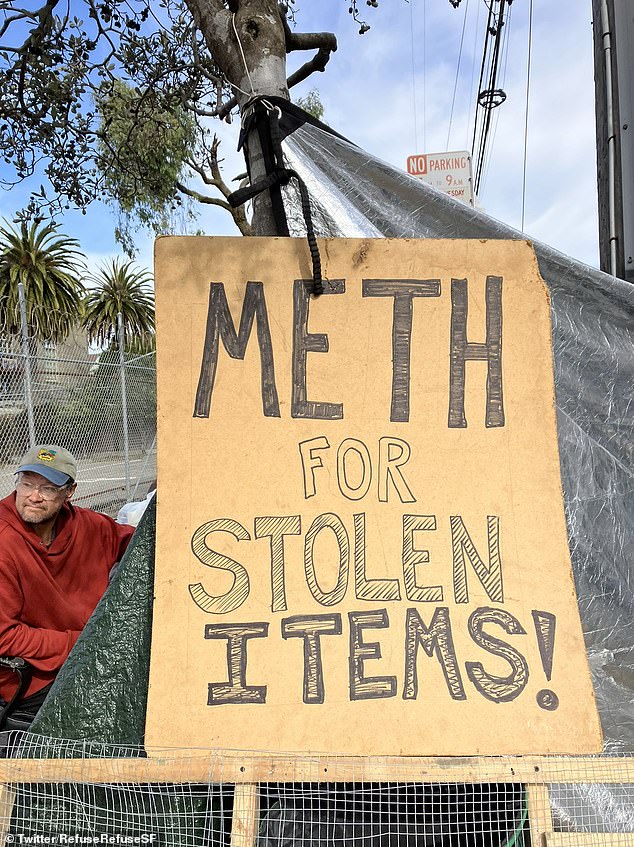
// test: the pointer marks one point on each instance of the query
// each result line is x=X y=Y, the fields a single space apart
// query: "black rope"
x=265 y=117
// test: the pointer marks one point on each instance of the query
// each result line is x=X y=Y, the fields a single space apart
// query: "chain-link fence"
x=100 y=406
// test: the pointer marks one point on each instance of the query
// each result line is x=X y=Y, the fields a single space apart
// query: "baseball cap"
x=55 y=463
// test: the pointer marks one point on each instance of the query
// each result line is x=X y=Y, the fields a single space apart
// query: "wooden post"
x=246 y=815
x=7 y=799
x=589 y=839
x=539 y=814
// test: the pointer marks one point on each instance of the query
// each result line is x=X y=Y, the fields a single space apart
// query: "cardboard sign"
x=361 y=545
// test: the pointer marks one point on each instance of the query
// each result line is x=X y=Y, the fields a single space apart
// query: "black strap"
x=293 y=117
x=271 y=145
x=24 y=672
x=266 y=117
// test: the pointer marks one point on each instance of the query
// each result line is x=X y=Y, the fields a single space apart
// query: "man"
x=55 y=561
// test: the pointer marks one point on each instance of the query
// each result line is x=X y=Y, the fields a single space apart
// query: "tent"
x=99 y=697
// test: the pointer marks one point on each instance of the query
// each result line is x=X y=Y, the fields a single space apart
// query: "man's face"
x=37 y=500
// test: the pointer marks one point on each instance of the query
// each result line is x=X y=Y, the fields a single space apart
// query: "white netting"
x=121 y=795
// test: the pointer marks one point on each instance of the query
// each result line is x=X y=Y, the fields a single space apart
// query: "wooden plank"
x=590 y=839
x=7 y=799
x=233 y=766
x=539 y=814
x=246 y=815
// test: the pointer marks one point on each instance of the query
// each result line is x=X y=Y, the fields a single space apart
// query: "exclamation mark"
x=545 y=624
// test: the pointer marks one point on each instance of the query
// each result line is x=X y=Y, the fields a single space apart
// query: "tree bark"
x=250 y=48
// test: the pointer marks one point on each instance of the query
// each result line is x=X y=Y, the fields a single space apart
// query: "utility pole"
x=613 y=29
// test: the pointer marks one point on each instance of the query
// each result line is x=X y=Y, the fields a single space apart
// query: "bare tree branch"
x=11 y=19
x=308 y=40
x=317 y=63
x=238 y=214
x=202 y=173
x=201 y=112
x=203 y=198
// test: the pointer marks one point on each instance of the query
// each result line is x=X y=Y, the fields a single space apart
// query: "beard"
x=37 y=514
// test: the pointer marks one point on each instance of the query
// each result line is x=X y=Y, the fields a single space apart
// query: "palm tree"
x=120 y=288
x=49 y=266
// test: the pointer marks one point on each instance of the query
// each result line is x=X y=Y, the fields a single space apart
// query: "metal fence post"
x=124 y=405
x=28 y=377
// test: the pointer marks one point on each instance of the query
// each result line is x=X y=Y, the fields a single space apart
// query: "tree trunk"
x=255 y=64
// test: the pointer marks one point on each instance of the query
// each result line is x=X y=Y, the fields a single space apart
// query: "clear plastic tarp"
x=354 y=194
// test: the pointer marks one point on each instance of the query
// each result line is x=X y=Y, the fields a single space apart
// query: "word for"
x=220 y=327
x=276 y=528
x=393 y=454
x=435 y=639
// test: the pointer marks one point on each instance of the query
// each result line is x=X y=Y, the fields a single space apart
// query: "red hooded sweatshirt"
x=48 y=594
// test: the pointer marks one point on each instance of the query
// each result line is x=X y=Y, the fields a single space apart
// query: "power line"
x=472 y=92
x=425 y=74
x=455 y=87
x=496 y=120
x=490 y=96
x=528 y=82
x=411 y=32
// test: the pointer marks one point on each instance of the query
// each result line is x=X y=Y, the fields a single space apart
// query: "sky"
x=391 y=92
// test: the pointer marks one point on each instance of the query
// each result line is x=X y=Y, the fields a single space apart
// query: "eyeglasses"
x=46 y=492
